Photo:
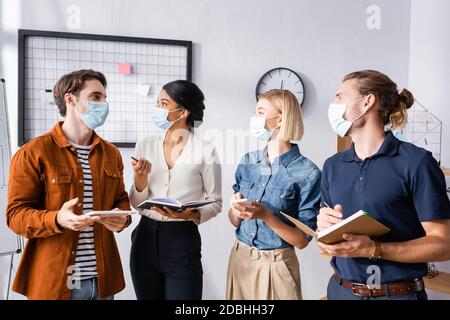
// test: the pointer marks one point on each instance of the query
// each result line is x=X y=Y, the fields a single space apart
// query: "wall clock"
x=281 y=78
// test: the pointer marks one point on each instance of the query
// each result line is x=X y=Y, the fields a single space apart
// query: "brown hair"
x=73 y=83
x=291 y=114
x=393 y=105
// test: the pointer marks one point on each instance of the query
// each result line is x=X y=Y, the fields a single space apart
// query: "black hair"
x=189 y=96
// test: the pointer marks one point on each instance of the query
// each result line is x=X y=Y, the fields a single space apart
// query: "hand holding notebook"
x=110 y=213
x=173 y=204
x=360 y=223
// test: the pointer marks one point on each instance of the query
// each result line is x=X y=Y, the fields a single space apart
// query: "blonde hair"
x=291 y=115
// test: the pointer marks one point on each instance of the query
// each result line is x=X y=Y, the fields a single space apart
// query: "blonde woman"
x=263 y=264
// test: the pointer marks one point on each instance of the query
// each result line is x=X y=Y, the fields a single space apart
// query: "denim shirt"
x=290 y=184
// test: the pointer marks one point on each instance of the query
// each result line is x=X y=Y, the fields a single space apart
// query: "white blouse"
x=196 y=175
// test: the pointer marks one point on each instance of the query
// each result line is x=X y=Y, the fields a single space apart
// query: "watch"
x=376 y=254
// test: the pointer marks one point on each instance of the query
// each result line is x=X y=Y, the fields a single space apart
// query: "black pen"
x=134 y=158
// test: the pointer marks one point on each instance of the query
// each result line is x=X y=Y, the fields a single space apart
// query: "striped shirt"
x=85 y=260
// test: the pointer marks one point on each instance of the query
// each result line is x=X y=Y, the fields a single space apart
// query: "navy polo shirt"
x=401 y=186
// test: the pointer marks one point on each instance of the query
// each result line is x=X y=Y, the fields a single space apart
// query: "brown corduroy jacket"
x=44 y=174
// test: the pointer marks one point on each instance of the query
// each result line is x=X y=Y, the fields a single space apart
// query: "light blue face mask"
x=339 y=124
x=159 y=117
x=257 y=128
x=96 y=114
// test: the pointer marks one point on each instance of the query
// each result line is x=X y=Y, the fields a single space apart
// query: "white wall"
x=429 y=75
x=234 y=43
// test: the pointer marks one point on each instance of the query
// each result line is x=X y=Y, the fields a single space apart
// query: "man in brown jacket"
x=53 y=180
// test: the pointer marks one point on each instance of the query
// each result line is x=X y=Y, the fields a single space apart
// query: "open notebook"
x=173 y=203
x=358 y=223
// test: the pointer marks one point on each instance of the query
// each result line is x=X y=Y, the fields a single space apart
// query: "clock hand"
x=281 y=84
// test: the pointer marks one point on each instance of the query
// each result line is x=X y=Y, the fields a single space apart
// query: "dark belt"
x=387 y=289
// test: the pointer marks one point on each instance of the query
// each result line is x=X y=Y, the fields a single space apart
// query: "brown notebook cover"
x=359 y=223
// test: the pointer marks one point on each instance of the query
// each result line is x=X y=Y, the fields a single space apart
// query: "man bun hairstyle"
x=393 y=105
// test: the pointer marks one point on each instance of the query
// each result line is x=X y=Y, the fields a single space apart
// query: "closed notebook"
x=111 y=213
x=360 y=223
x=173 y=203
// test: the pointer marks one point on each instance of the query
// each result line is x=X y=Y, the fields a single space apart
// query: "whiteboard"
x=9 y=242
x=135 y=69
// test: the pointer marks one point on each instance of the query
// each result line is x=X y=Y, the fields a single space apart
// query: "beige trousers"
x=262 y=274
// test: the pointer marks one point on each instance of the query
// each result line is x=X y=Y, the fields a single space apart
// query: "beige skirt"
x=262 y=274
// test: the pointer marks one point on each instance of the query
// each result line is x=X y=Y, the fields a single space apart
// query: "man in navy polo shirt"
x=399 y=184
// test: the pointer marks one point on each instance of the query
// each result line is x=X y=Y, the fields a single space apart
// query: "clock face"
x=281 y=78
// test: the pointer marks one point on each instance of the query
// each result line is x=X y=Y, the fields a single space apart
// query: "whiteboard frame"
x=20 y=243
x=24 y=33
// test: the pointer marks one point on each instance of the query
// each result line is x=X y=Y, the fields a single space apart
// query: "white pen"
x=326 y=204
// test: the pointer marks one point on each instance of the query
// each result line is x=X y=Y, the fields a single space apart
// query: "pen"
x=326 y=204
x=134 y=158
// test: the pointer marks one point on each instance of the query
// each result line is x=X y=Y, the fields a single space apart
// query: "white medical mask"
x=96 y=114
x=257 y=128
x=336 y=118
x=159 y=117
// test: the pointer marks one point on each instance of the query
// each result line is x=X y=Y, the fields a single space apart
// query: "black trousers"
x=165 y=260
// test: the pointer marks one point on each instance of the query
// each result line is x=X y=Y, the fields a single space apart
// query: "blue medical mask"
x=336 y=118
x=257 y=128
x=159 y=117
x=96 y=114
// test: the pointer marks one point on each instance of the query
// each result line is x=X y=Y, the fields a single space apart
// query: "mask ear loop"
x=76 y=107
x=267 y=119
x=180 y=108
x=362 y=114
x=75 y=97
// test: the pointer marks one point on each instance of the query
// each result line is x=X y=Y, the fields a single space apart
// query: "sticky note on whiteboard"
x=125 y=69
x=47 y=96
x=143 y=90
